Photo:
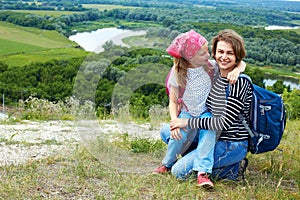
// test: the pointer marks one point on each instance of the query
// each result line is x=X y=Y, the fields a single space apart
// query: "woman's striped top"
x=227 y=102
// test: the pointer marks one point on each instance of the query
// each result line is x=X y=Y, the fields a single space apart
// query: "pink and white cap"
x=186 y=45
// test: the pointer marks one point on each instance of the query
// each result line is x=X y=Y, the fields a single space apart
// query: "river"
x=270 y=82
x=280 y=27
x=93 y=41
x=292 y=84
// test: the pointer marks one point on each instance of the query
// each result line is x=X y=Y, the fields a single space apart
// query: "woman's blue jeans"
x=227 y=157
x=205 y=140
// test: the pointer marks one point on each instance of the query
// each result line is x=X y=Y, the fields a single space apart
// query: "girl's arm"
x=173 y=104
x=174 y=109
x=234 y=74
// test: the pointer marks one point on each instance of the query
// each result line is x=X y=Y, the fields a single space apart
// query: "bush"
x=292 y=103
x=34 y=108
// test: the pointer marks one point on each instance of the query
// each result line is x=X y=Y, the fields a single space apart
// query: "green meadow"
x=23 y=45
x=33 y=36
x=20 y=59
x=11 y=47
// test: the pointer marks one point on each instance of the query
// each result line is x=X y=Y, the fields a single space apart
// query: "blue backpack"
x=267 y=119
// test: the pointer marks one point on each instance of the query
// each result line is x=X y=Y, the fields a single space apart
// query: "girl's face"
x=225 y=57
x=201 y=58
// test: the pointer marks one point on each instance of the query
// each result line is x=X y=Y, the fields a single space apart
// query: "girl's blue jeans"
x=204 y=140
x=227 y=157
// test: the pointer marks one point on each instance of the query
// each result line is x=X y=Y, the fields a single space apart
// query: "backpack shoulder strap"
x=241 y=117
x=242 y=75
x=251 y=133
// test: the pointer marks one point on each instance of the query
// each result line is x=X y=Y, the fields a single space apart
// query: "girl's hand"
x=175 y=134
x=178 y=123
x=233 y=76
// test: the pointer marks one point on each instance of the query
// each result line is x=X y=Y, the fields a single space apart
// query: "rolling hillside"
x=22 y=45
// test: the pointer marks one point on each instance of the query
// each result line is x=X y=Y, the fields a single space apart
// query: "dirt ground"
x=34 y=140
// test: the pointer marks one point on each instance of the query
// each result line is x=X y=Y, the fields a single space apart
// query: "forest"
x=263 y=46
x=54 y=80
x=77 y=4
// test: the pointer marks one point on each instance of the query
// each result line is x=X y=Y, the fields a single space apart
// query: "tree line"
x=45 y=5
x=264 y=47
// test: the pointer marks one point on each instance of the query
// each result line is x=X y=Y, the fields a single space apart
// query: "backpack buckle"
x=264 y=108
x=267 y=108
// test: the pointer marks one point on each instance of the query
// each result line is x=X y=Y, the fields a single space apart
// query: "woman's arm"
x=233 y=108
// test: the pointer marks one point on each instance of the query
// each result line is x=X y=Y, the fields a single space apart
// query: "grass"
x=12 y=47
x=273 y=175
x=42 y=56
x=33 y=36
x=280 y=71
x=24 y=45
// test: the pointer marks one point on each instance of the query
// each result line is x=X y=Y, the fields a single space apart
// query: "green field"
x=23 y=45
x=33 y=36
x=42 y=56
x=11 y=47
x=102 y=7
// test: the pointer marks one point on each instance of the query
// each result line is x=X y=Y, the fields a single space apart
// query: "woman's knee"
x=227 y=153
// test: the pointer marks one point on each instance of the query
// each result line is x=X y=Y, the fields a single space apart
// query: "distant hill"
x=36 y=38
x=284 y=5
x=21 y=45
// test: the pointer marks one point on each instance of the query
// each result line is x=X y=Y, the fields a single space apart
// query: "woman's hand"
x=178 y=123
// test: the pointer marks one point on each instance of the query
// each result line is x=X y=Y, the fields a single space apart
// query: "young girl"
x=226 y=106
x=189 y=85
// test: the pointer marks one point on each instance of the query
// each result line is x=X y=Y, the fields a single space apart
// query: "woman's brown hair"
x=231 y=37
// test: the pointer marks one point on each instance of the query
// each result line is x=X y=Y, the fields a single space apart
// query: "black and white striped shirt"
x=226 y=102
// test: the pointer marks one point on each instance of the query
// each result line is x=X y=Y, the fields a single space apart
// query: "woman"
x=226 y=102
x=190 y=72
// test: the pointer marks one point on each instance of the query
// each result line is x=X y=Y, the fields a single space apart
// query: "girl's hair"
x=231 y=37
x=181 y=66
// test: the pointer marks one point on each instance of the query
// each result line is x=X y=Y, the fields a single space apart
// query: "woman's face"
x=201 y=58
x=225 y=57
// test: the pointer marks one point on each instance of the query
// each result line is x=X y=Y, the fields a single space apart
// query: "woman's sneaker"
x=242 y=169
x=161 y=170
x=204 y=181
